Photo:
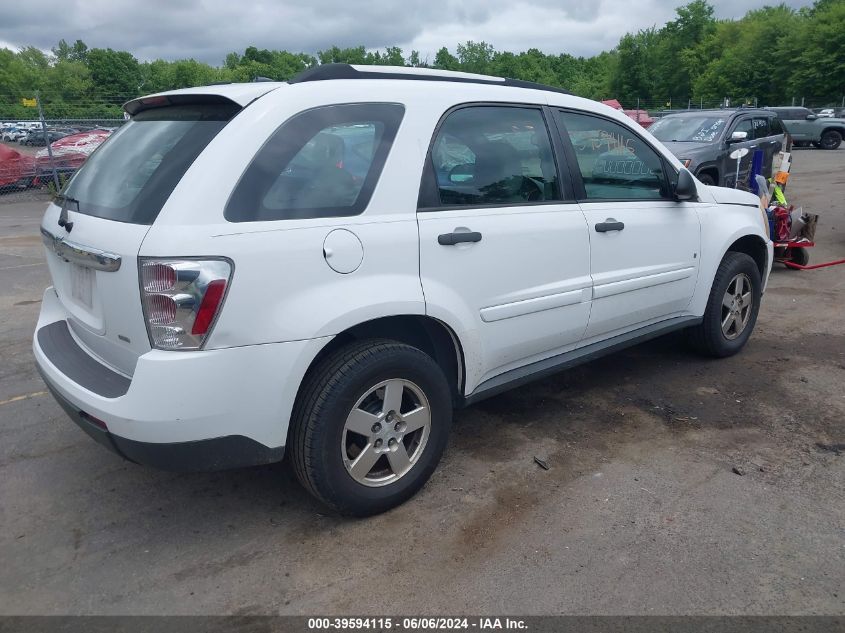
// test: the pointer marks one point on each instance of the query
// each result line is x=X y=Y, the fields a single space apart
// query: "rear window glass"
x=320 y=163
x=130 y=176
x=761 y=128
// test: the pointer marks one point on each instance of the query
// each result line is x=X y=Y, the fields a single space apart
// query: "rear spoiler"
x=135 y=106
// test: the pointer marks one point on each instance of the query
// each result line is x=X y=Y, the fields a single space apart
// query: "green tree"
x=444 y=60
x=475 y=57
x=116 y=74
x=746 y=58
x=815 y=53
x=414 y=59
x=76 y=52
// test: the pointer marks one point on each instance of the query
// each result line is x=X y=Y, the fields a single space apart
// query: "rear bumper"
x=220 y=453
x=198 y=410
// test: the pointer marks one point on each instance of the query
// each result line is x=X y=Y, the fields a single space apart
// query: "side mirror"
x=685 y=188
x=738 y=137
x=811 y=117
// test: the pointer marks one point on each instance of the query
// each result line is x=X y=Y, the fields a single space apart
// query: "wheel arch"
x=834 y=128
x=711 y=169
x=426 y=333
x=755 y=247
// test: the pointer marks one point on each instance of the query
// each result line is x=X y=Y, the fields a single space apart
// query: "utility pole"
x=47 y=142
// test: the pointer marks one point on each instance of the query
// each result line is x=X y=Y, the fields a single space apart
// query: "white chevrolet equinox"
x=326 y=267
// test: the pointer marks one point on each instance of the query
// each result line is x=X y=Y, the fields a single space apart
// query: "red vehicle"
x=69 y=152
x=640 y=116
x=17 y=170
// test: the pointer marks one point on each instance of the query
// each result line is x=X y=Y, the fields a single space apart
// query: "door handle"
x=450 y=239
x=609 y=225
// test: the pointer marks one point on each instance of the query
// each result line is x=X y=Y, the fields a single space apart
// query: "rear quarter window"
x=320 y=163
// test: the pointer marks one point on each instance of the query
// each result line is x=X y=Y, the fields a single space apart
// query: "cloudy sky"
x=207 y=29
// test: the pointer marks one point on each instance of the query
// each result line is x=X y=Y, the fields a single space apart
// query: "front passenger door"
x=643 y=244
x=504 y=248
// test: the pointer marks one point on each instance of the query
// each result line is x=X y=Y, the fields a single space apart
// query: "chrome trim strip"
x=82 y=255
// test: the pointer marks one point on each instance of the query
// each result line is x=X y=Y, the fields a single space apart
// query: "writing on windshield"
x=695 y=129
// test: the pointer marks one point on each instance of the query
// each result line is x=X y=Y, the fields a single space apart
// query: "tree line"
x=770 y=55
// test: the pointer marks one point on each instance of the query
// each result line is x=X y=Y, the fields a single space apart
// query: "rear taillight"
x=181 y=299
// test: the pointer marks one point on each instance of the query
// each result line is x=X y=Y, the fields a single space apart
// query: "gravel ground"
x=641 y=512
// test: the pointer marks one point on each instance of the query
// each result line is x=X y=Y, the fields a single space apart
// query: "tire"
x=708 y=337
x=324 y=449
x=831 y=139
x=800 y=256
x=706 y=179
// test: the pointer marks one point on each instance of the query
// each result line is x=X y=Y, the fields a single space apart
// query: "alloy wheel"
x=386 y=432
x=736 y=306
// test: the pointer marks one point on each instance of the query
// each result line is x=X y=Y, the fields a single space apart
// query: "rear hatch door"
x=94 y=231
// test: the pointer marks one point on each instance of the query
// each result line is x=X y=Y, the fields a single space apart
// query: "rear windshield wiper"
x=64 y=198
x=63 y=220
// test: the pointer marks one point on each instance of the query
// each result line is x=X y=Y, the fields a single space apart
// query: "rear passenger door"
x=767 y=142
x=744 y=124
x=504 y=249
x=643 y=244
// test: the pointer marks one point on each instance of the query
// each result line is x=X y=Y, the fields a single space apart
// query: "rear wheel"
x=731 y=309
x=370 y=426
x=831 y=139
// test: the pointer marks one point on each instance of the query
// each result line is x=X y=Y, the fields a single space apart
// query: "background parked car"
x=69 y=152
x=704 y=139
x=37 y=137
x=805 y=127
x=13 y=134
x=17 y=170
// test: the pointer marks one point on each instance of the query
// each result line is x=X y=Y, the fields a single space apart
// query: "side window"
x=761 y=127
x=614 y=162
x=320 y=163
x=494 y=155
x=776 y=126
x=744 y=126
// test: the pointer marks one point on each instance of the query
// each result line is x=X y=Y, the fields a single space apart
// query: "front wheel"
x=732 y=308
x=706 y=179
x=370 y=425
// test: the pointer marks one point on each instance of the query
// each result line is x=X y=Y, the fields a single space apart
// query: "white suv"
x=326 y=267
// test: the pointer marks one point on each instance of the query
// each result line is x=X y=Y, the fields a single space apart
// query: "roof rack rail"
x=326 y=72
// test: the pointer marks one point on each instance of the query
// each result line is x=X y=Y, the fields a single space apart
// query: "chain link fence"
x=44 y=141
